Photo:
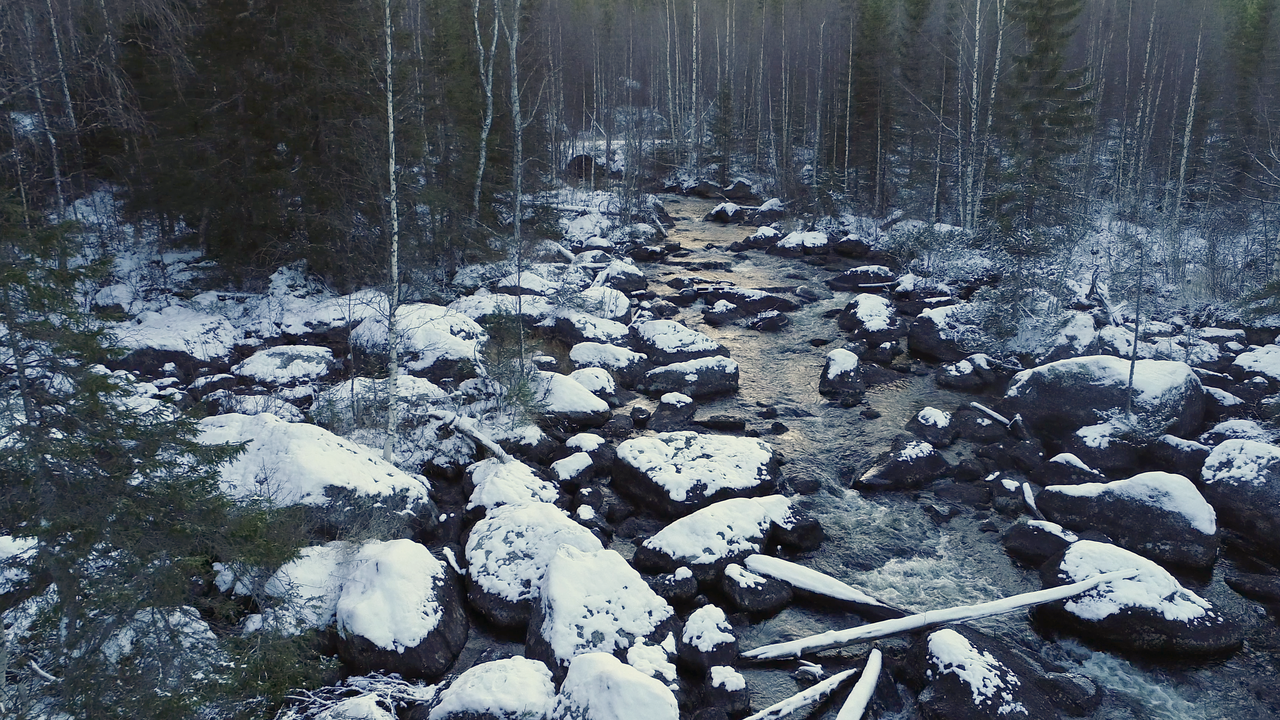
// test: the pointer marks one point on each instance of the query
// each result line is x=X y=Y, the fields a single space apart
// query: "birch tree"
x=393 y=192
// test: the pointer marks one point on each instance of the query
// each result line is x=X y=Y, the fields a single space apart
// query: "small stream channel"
x=886 y=543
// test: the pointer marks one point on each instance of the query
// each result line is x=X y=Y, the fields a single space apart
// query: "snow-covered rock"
x=621 y=276
x=800 y=243
x=698 y=378
x=974 y=373
x=972 y=676
x=300 y=464
x=1150 y=612
x=593 y=601
x=710 y=538
x=511 y=689
x=1259 y=362
x=628 y=366
x=678 y=472
x=909 y=463
x=934 y=426
x=507 y=554
x=433 y=341
x=598 y=686
x=865 y=277
x=287 y=365
x=399 y=611
x=563 y=400
x=749 y=301
x=667 y=341
x=1035 y=541
x=499 y=483
x=842 y=377
x=1064 y=396
x=206 y=337
x=872 y=319
x=752 y=593
x=1159 y=515
x=940 y=334
x=707 y=640
x=1241 y=479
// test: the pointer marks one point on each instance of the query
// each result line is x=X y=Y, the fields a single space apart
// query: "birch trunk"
x=486 y=80
x=393 y=339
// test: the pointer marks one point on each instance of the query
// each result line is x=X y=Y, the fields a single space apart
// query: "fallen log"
x=841 y=638
x=855 y=706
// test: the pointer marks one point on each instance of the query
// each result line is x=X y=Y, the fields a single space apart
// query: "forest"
x=298 y=295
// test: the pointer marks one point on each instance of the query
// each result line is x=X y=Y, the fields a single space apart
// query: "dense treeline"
x=257 y=129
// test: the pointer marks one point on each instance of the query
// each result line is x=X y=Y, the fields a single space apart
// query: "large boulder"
x=598 y=686
x=1241 y=479
x=627 y=365
x=697 y=378
x=496 y=482
x=593 y=601
x=909 y=463
x=511 y=689
x=1067 y=395
x=434 y=342
x=676 y=473
x=507 y=555
x=1150 y=612
x=938 y=334
x=561 y=399
x=287 y=365
x=747 y=300
x=342 y=485
x=1158 y=515
x=972 y=676
x=400 y=611
x=865 y=277
x=667 y=341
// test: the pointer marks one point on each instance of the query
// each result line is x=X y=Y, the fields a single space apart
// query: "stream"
x=885 y=543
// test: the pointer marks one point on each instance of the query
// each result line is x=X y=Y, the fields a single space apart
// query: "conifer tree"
x=1045 y=119
x=118 y=505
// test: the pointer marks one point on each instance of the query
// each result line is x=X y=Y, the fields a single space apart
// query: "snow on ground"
x=202 y=335
x=681 y=461
x=389 y=594
x=509 y=549
x=1153 y=588
x=515 y=687
x=293 y=463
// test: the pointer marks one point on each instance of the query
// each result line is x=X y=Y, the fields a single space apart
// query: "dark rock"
x=851 y=246
x=934 y=426
x=769 y=321
x=978 y=427
x=640 y=416
x=872 y=319
x=675 y=411
x=909 y=463
x=754 y=594
x=667 y=342
x=1065 y=469
x=723 y=423
x=1035 y=541
x=727 y=213
x=679 y=586
x=1241 y=479
x=750 y=301
x=1071 y=692
x=664 y=309
x=804 y=485
x=778 y=428
x=937 y=334
x=619 y=426
x=1263 y=588
x=841 y=378
x=707 y=641
x=974 y=676
x=647 y=253
x=722 y=313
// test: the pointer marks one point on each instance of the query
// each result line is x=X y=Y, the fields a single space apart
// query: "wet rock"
x=1024 y=456
x=724 y=693
x=664 y=309
x=1065 y=469
x=400 y=611
x=1262 y=588
x=723 y=423
x=647 y=253
x=909 y=463
x=1155 y=514
x=975 y=373
x=973 y=676
x=619 y=426
x=1064 y=396
x=1035 y=541
x=934 y=426
x=1073 y=693
x=674 y=412
x=679 y=472
x=752 y=593
x=727 y=213
x=978 y=427
x=1241 y=479
x=698 y=378
x=769 y=321
x=1151 y=612
x=841 y=378
x=722 y=312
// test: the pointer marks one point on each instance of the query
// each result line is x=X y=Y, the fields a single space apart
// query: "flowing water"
x=885 y=543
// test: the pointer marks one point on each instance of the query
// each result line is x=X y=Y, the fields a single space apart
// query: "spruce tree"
x=1045 y=121
x=120 y=506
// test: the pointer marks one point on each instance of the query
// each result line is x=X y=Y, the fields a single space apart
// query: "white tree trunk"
x=486 y=81
x=393 y=304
